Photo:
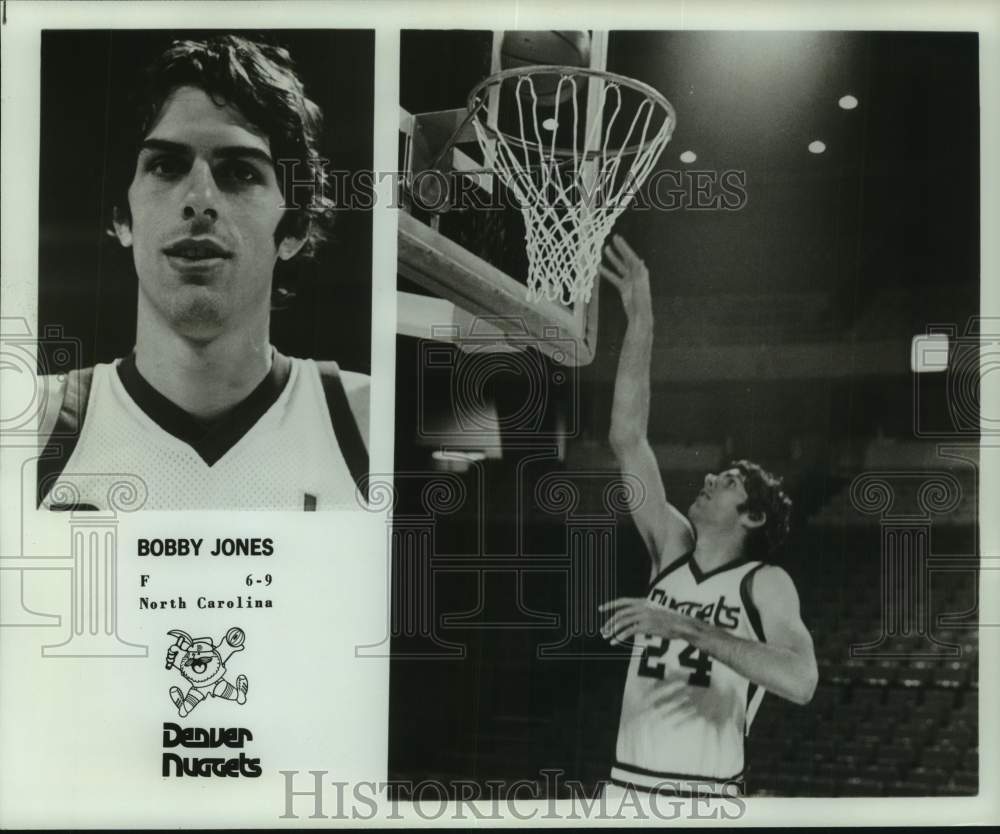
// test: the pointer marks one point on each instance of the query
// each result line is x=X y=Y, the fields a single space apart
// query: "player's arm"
x=358 y=389
x=664 y=528
x=784 y=664
x=53 y=391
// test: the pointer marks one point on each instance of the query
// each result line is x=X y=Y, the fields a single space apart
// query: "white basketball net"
x=570 y=201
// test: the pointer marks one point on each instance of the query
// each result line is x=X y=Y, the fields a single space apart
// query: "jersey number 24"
x=651 y=663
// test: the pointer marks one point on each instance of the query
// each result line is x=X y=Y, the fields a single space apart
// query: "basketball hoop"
x=572 y=166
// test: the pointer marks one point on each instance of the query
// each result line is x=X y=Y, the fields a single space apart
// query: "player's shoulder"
x=356 y=383
x=357 y=388
x=51 y=385
x=60 y=393
x=771 y=587
x=329 y=369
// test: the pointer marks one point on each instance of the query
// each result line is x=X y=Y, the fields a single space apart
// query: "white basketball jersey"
x=288 y=460
x=685 y=716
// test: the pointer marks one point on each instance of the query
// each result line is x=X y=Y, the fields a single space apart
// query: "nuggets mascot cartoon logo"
x=202 y=664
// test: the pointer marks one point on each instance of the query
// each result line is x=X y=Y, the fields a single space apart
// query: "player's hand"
x=632 y=616
x=626 y=271
x=175 y=657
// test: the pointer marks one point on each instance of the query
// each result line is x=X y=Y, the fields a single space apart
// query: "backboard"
x=463 y=271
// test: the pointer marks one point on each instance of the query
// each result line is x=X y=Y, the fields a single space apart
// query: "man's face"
x=205 y=204
x=718 y=502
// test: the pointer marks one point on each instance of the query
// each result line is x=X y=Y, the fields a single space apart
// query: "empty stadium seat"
x=941 y=699
x=898 y=755
x=867 y=698
x=902 y=697
x=954 y=788
x=826 y=699
x=881 y=772
x=953 y=677
x=783 y=784
x=879 y=729
x=890 y=713
x=931 y=777
x=970 y=761
x=913 y=677
x=870 y=741
x=939 y=758
x=822 y=786
x=961 y=738
x=861 y=751
x=905 y=787
x=860 y=786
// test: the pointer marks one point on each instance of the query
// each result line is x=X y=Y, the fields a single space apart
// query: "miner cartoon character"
x=202 y=664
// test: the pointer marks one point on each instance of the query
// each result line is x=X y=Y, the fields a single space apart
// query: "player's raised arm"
x=667 y=533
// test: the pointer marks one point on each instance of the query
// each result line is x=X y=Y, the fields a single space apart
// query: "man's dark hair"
x=764 y=495
x=260 y=81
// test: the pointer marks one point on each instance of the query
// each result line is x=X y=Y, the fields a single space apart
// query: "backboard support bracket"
x=568 y=337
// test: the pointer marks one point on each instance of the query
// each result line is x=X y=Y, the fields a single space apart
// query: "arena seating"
x=904 y=719
x=868 y=741
x=899 y=721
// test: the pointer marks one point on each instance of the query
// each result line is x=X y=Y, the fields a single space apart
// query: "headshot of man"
x=219 y=182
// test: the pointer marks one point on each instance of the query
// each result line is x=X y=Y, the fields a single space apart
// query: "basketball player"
x=719 y=626
x=205 y=411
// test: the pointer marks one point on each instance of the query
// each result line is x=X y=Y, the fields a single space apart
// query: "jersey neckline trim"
x=210 y=440
x=700 y=576
x=674 y=565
